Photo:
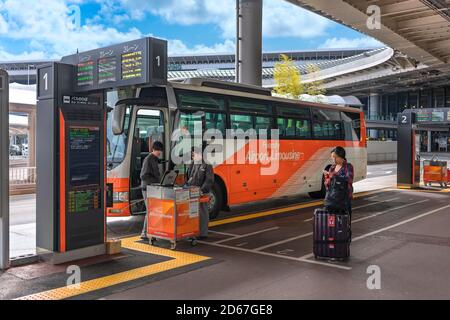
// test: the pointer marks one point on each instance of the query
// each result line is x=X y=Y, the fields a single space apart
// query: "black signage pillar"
x=70 y=156
x=408 y=163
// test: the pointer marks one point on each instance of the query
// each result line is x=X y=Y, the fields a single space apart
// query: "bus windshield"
x=116 y=145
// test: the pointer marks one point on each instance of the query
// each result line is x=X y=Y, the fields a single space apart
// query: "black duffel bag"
x=336 y=198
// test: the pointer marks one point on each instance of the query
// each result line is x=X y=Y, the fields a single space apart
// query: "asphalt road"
x=23 y=208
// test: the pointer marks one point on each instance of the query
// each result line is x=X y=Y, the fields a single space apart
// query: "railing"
x=22 y=178
x=381 y=117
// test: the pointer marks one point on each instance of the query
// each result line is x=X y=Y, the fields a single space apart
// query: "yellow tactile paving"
x=179 y=259
x=281 y=210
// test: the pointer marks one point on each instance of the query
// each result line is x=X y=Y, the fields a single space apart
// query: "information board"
x=85 y=73
x=423 y=116
x=84 y=200
x=84 y=156
x=138 y=62
x=437 y=116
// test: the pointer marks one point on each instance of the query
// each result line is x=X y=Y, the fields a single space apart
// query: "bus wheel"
x=319 y=194
x=215 y=201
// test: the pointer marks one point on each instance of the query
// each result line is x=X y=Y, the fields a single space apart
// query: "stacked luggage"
x=332 y=235
x=435 y=171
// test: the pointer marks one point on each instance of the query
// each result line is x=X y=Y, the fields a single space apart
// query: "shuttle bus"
x=307 y=133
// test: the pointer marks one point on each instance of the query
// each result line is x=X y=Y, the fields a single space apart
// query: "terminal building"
x=384 y=80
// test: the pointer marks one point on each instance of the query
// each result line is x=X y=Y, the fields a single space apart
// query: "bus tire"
x=321 y=193
x=216 y=201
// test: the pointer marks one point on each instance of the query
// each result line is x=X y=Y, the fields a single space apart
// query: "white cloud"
x=49 y=25
x=26 y=55
x=345 y=43
x=280 y=18
x=178 y=47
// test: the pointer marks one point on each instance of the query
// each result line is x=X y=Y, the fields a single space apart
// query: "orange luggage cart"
x=173 y=214
x=435 y=171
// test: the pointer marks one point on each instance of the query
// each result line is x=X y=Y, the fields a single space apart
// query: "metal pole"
x=250 y=42
x=4 y=170
x=238 y=41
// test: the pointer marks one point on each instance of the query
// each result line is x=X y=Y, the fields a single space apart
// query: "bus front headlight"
x=120 y=197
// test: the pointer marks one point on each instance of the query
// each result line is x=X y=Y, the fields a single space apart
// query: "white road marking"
x=223 y=233
x=247 y=234
x=285 y=251
x=389 y=210
x=401 y=223
x=241 y=244
x=373 y=203
x=305 y=235
x=362 y=206
x=276 y=255
x=310 y=255
x=354 y=221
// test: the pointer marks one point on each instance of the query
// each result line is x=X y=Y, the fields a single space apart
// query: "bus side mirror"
x=118 y=119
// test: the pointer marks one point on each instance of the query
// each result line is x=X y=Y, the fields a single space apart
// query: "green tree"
x=287 y=78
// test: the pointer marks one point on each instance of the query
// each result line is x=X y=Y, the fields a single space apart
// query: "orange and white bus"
x=307 y=133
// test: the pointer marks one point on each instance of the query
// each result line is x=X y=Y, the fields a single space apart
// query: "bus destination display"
x=132 y=65
x=107 y=68
x=85 y=73
x=84 y=156
x=138 y=62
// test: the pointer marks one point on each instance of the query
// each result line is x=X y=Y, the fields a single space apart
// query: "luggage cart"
x=173 y=214
x=435 y=171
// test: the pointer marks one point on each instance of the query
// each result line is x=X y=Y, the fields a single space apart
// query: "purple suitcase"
x=332 y=235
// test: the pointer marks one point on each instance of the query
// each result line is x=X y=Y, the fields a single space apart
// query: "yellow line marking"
x=422 y=190
x=179 y=259
x=281 y=210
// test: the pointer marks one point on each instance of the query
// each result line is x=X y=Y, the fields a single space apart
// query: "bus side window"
x=327 y=124
x=215 y=121
x=352 y=129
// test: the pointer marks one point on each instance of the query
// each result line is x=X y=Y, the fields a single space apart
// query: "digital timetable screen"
x=84 y=200
x=132 y=65
x=107 y=70
x=139 y=62
x=84 y=156
x=85 y=73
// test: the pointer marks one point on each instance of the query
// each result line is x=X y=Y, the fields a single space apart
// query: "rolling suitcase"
x=332 y=235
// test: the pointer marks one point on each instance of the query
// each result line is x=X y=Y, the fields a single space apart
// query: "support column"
x=429 y=141
x=4 y=170
x=249 y=42
x=374 y=111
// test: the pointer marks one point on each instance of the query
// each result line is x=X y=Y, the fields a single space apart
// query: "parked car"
x=14 y=150
x=24 y=149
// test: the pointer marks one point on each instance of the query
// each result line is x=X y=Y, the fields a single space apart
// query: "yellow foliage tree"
x=287 y=78
x=314 y=88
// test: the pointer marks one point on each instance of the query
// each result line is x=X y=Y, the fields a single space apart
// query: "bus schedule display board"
x=138 y=62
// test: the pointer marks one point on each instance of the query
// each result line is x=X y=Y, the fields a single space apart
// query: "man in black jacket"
x=150 y=174
x=201 y=174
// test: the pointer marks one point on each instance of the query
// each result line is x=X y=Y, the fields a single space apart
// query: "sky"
x=50 y=29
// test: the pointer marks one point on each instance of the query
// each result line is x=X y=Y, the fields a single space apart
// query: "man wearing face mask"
x=150 y=174
x=200 y=174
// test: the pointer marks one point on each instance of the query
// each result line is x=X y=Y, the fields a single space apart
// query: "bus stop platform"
x=268 y=255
